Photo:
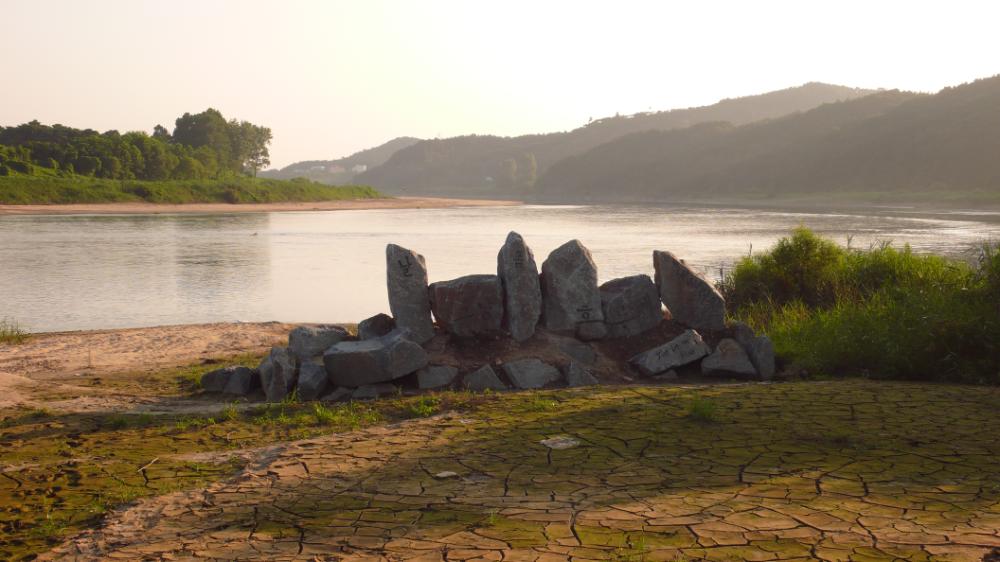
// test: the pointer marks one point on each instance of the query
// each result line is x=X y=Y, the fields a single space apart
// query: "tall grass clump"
x=882 y=312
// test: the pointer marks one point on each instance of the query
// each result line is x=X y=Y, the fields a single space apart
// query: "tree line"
x=202 y=146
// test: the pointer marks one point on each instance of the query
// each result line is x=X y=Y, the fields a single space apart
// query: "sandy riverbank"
x=215 y=208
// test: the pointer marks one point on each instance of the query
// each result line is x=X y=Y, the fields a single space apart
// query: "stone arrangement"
x=560 y=312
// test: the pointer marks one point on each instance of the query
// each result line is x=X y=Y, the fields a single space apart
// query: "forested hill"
x=505 y=165
x=342 y=170
x=890 y=141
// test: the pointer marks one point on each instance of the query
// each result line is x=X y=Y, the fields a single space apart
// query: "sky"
x=333 y=77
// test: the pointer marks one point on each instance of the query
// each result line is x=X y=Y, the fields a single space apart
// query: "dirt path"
x=35 y=372
x=216 y=208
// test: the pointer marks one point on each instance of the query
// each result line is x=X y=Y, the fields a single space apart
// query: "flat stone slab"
x=469 y=306
x=685 y=348
x=530 y=373
x=436 y=376
x=483 y=378
x=728 y=358
x=561 y=442
x=691 y=299
x=522 y=290
x=359 y=363
x=306 y=342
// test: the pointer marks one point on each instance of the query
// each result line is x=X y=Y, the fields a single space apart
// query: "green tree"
x=527 y=171
x=507 y=177
x=251 y=145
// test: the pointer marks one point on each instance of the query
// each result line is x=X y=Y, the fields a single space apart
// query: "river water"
x=110 y=271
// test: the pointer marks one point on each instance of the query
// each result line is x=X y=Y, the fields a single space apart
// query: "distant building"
x=359 y=168
x=336 y=169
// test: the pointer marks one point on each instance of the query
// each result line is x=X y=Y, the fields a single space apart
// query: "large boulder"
x=571 y=301
x=376 y=326
x=236 y=380
x=435 y=376
x=468 y=306
x=277 y=374
x=358 y=363
x=758 y=348
x=312 y=381
x=685 y=348
x=306 y=342
x=409 y=299
x=631 y=305
x=691 y=299
x=530 y=373
x=522 y=292
x=578 y=375
x=728 y=358
x=483 y=378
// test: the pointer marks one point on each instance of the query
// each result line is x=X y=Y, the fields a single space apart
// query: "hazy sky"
x=333 y=77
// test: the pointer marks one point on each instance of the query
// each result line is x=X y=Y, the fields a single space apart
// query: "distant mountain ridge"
x=491 y=165
x=887 y=142
x=342 y=170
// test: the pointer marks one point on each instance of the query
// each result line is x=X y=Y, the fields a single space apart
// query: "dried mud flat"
x=850 y=470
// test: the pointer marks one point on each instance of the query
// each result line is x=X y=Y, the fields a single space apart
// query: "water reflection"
x=60 y=272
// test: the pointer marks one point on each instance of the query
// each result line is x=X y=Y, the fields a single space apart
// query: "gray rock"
x=577 y=350
x=215 y=381
x=758 y=348
x=435 y=376
x=312 y=381
x=359 y=363
x=306 y=342
x=522 y=292
x=338 y=394
x=277 y=374
x=242 y=381
x=484 y=378
x=409 y=299
x=376 y=326
x=691 y=299
x=468 y=306
x=530 y=373
x=578 y=375
x=631 y=305
x=373 y=391
x=728 y=357
x=570 y=299
x=669 y=376
x=685 y=348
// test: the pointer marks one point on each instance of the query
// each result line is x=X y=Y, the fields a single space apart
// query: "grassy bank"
x=883 y=312
x=54 y=190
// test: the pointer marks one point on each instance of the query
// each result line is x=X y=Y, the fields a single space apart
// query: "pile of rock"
x=564 y=301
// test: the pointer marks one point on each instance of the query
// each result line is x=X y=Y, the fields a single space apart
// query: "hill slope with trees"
x=341 y=171
x=893 y=142
x=502 y=166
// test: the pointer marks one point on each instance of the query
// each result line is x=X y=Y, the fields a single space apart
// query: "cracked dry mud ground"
x=848 y=470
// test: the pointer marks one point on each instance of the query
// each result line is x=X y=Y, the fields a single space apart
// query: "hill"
x=491 y=165
x=893 y=142
x=342 y=170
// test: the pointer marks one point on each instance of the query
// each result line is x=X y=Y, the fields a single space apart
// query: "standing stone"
x=685 y=348
x=578 y=375
x=435 y=376
x=409 y=299
x=571 y=301
x=359 y=363
x=730 y=358
x=484 y=378
x=522 y=291
x=306 y=342
x=689 y=297
x=376 y=326
x=312 y=381
x=277 y=374
x=530 y=373
x=631 y=305
x=468 y=306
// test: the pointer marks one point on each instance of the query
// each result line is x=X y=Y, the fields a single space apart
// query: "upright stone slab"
x=690 y=298
x=631 y=305
x=571 y=301
x=758 y=348
x=375 y=326
x=728 y=358
x=468 y=306
x=530 y=373
x=522 y=292
x=312 y=381
x=306 y=342
x=277 y=374
x=685 y=348
x=409 y=299
x=359 y=363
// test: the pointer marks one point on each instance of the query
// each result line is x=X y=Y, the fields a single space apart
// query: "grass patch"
x=424 y=406
x=702 y=410
x=12 y=332
x=50 y=190
x=881 y=312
